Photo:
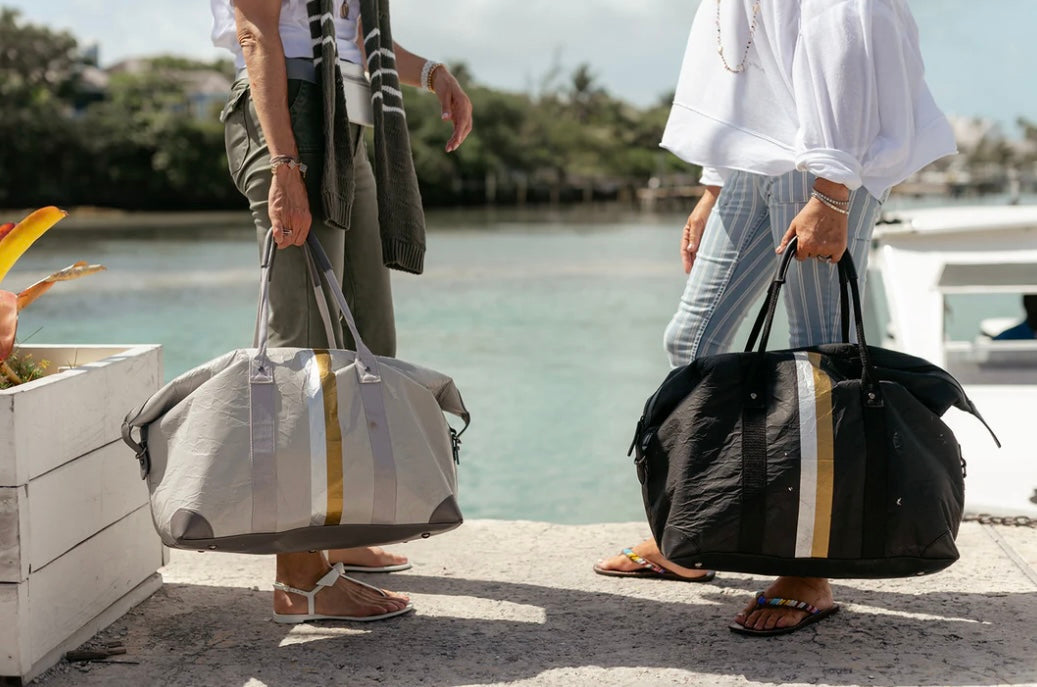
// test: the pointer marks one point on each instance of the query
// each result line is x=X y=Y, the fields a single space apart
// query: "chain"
x=745 y=54
x=1003 y=520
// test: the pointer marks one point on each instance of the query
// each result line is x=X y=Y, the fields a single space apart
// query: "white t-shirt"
x=294 y=29
x=834 y=87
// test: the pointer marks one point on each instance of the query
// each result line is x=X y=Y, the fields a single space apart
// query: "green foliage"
x=142 y=144
x=37 y=65
x=25 y=367
x=37 y=75
x=567 y=137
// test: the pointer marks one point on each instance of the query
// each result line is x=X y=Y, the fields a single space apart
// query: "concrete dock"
x=516 y=603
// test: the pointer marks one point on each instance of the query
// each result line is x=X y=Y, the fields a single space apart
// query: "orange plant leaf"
x=5 y=229
x=79 y=269
x=8 y=323
x=30 y=294
x=17 y=240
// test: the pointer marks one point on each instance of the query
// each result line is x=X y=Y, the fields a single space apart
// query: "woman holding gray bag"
x=295 y=147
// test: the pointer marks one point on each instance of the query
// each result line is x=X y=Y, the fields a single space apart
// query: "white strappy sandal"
x=328 y=580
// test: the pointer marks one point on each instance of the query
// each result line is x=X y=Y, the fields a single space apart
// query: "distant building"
x=93 y=87
x=206 y=89
x=91 y=54
x=987 y=162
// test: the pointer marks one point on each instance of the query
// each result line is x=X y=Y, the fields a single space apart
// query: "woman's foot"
x=342 y=598
x=814 y=591
x=368 y=559
x=648 y=551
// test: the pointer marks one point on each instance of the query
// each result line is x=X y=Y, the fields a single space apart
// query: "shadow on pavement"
x=223 y=636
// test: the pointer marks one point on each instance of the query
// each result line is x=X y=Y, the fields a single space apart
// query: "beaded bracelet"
x=289 y=162
x=830 y=204
x=820 y=196
x=428 y=73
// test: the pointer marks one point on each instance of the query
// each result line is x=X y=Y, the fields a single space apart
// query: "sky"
x=980 y=55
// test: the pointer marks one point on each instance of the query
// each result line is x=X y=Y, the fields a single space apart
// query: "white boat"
x=936 y=279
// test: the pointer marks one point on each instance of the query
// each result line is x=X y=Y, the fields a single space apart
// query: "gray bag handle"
x=367 y=363
x=319 y=297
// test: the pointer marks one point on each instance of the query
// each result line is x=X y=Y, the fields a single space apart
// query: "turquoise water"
x=550 y=325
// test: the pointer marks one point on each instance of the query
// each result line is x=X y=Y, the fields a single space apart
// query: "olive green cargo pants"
x=356 y=254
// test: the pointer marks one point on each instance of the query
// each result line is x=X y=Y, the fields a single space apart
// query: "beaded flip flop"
x=650 y=570
x=814 y=615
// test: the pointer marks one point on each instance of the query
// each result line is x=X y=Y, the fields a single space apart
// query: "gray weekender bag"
x=276 y=450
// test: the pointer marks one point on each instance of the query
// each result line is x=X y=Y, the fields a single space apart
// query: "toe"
x=387 y=557
x=398 y=596
x=619 y=563
x=743 y=615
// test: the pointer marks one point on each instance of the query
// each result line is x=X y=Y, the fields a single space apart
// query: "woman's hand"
x=456 y=106
x=691 y=237
x=289 y=207
x=821 y=230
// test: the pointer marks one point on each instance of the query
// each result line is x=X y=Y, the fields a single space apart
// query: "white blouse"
x=833 y=87
x=294 y=29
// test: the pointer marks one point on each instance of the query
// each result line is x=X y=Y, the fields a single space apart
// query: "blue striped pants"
x=736 y=261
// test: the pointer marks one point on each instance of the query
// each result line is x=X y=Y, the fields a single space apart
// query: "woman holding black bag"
x=803 y=116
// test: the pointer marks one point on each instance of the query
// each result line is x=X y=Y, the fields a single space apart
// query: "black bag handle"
x=844 y=304
x=847 y=278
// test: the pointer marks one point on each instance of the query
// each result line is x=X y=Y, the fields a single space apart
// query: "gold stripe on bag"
x=333 y=437
x=825 y=459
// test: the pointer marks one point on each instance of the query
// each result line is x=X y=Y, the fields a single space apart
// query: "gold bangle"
x=432 y=76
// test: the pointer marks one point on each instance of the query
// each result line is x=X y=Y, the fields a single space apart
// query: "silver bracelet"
x=289 y=162
x=830 y=204
x=820 y=196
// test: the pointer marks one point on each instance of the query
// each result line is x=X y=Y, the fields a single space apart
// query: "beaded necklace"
x=745 y=53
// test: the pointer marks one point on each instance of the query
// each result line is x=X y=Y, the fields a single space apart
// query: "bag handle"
x=367 y=363
x=844 y=307
x=847 y=278
x=319 y=296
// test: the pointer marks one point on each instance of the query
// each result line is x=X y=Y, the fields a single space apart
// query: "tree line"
x=140 y=143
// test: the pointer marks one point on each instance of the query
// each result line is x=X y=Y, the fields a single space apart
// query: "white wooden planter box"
x=77 y=547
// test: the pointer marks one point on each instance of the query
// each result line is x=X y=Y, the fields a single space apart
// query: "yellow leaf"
x=79 y=269
x=24 y=234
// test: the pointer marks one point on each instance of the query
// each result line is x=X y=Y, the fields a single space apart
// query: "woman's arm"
x=257 y=24
x=839 y=63
x=691 y=237
x=821 y=229
x=454 y=101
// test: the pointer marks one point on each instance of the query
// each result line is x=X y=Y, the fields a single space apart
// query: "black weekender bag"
x=827 y=461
